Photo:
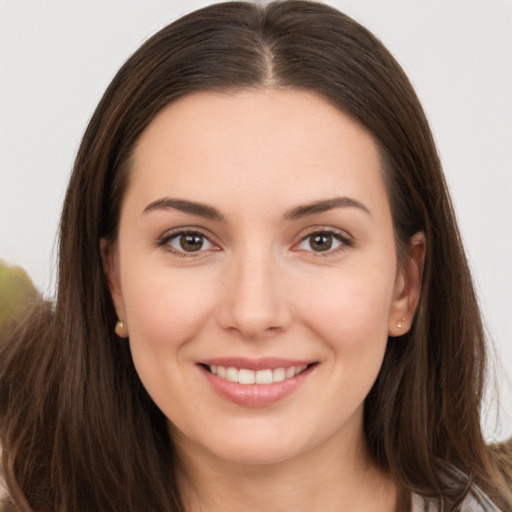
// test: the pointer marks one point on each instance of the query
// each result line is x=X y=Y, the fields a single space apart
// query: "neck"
x=321 y=479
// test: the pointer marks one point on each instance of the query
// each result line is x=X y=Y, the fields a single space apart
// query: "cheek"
x=348 y=315
x=166 y=308
x=349 y=310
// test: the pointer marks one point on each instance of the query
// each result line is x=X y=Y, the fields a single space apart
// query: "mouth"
x=256 y=383
x=247 y=376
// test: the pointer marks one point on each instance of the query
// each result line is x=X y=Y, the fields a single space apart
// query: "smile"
x=246 y=376
x=256 y=383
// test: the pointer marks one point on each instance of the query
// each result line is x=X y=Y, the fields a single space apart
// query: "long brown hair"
x=78 y=430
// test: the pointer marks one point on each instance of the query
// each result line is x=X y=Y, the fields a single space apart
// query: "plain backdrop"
x=57 y=57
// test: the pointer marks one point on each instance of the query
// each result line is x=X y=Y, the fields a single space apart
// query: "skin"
x=259 y=288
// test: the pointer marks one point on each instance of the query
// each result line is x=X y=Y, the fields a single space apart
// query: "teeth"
x=245 y=376
x=232 y=374
x=278 y=374
x=263 y=377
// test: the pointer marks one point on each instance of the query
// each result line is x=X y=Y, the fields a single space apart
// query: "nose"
x=254 y=303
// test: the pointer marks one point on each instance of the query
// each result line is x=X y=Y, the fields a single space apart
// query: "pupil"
x=321 y=242
x=191 y=242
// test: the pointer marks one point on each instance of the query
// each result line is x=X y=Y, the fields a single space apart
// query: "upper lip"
x=264 y=363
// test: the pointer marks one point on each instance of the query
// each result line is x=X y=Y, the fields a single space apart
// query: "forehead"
x=287 y=144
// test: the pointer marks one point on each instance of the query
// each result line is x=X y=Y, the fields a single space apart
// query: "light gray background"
x=57 y=57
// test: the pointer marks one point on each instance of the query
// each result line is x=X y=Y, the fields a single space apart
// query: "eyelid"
x=342 y=236
x=164 y=239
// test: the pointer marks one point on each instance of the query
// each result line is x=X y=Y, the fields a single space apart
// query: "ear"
x=110 y=260
x=407 y=287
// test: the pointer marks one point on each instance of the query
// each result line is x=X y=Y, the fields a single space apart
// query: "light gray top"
x=476 y=501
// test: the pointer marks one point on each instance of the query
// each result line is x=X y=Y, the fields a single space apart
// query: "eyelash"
x=344 y=239
x=164 y=242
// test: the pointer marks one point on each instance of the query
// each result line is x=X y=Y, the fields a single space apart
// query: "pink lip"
x=255 y=395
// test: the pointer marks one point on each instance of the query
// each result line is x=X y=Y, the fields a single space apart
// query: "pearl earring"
x=400 y=324
x=121 y=329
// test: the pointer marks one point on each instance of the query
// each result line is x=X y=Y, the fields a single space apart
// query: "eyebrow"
x=201 y=209
x=209 y=212
x=323 y=206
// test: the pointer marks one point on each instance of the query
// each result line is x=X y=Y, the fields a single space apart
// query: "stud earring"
x=400 y=324
x=121 y=329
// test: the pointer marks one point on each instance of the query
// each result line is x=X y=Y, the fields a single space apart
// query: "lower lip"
x=256 y=395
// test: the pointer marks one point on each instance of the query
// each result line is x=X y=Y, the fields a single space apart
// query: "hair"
x=78 y=430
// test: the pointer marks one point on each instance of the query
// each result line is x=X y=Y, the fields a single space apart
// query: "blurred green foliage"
x=16 y=290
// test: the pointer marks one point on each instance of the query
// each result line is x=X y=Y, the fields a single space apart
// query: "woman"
x=260 y=289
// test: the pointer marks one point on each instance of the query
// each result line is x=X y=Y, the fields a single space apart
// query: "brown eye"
x=320 y=242
x=189 y=242
x=324 y=241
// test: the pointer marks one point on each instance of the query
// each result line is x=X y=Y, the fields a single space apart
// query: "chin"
x=257 y=454
x=245 y=446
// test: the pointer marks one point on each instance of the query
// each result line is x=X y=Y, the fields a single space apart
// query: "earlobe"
x=408 y=287
x=111 y=270
x=121 y=329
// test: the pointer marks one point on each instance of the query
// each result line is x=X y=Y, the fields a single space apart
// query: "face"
x=256 y=274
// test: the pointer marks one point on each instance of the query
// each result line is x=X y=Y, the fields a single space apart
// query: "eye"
x=187 y=242
x=323 y=241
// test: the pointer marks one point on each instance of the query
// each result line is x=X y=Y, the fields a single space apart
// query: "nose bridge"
x=254 y=300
